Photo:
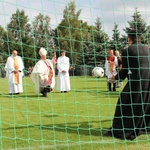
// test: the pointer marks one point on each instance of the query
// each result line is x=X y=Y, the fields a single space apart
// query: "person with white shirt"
x=110 y=68
x=63 y=65
x=14 y=73
x=43 y=74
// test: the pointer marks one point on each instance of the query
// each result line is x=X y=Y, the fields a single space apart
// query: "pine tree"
x=147 y=36
x=100 y=42
x=19 y=32
x=69 y=33
x=95 y=54
x=124 y=42
x=2 y=43
x=116 y=39
x=2 y=39
x=43 y=33
x=138 y=24
x=6 y=41
x=86 y=34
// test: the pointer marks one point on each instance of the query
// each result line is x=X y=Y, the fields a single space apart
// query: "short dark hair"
x=63 y=51
x=134 y=35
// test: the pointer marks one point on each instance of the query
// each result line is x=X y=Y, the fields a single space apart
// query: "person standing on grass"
x=14 y=72
x=132 y=114
x=43 y=74
x=63 y=65
x=110 y=68
x=118 y=55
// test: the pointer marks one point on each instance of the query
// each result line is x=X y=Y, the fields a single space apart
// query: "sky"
x=109 y=11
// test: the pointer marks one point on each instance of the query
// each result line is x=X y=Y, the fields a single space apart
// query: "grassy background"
x=73 y=120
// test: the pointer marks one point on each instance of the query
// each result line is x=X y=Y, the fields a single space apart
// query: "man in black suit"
x=132 y=112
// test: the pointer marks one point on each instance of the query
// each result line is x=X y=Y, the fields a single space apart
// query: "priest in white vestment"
x=43 y=74
x=63 y=65
x=14 y=72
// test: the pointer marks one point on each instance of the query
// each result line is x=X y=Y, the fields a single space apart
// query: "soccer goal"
x=78 y=118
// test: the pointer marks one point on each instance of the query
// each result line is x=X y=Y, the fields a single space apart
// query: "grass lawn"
x=63 y=121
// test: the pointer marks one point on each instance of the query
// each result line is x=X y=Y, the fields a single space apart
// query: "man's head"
x=14 y=53
x=42 y=53
x=43 y=57
x=111 y=52
x=63 y=53
x=133 y=36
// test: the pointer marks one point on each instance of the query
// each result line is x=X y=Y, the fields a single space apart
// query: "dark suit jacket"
x=132 y=112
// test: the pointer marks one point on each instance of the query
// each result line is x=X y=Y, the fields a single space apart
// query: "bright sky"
x=109 y=11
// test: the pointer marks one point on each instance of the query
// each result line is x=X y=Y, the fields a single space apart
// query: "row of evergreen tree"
x=85 y=44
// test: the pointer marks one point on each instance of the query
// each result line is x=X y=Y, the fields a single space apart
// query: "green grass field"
x=63 y=121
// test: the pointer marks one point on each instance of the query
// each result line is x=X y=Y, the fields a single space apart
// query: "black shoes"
x=46 y=90
x=114 y=90
x=63 y=91
x=14 y=93
x=44 y=93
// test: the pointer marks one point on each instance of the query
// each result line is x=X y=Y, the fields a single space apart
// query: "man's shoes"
x=14 y=93
x=44 y=94
x=63 y=91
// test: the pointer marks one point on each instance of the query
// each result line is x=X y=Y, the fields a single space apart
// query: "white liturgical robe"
x=41 y=73
x=108 y=72
x=12 y=62
x=63 y=81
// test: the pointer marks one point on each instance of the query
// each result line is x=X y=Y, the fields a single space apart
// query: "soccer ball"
x=98 y=72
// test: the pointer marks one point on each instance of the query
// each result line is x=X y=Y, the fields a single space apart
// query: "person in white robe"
x=110 y=68
x=63 y=80
x=43 y=74
x=14 y=73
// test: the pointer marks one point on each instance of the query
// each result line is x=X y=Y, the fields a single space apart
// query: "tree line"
x=85 y=44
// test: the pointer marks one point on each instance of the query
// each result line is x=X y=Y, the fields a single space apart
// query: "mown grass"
x=73 y=121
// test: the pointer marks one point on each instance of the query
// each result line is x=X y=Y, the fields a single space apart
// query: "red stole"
x=50 y=73
x=111 y=61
